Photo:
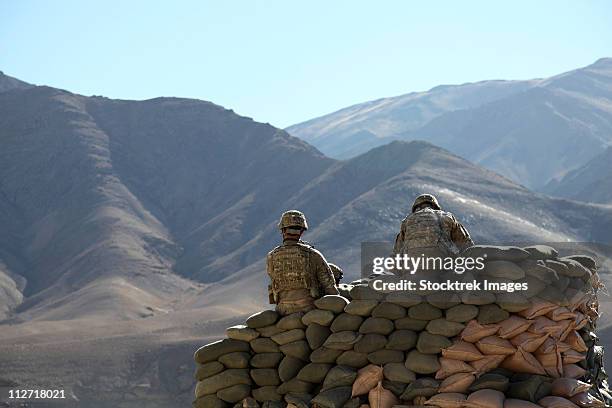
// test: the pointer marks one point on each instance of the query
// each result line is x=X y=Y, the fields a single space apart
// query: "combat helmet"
x=292 y=218
x=426 y=199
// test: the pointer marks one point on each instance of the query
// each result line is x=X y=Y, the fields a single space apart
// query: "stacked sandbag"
x=481 y=350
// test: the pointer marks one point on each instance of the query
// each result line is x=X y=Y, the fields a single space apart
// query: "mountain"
x=506 y=126
x=591 y=182
x=8 y=83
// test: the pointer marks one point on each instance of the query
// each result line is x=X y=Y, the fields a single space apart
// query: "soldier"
x=299 y=273
x=431 y=231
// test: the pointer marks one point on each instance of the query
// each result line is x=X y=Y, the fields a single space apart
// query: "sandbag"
x=314 y=372
x=324 y=355
x=292 y=321
x=343 y=340
x=353 y=359
x=568 y=387
x=518 y=403
x=529 y=342
x=447 y=400
x=512 y=327
x=398 y=372
x=364 y=292
x=556 y=402
x=527 y=389
x=262 y=319
x=444 y=327
x=422 y=363
x=376 y=325
x=572 y=356
x=586 y=400
x=461 y=313
x=339 y=376
x=298 y=349
x=288 y=336
x=573 y=371
x=238 y=359
x=241 y=332
x=316 y=335
x=208 y=370
x=584 y=260
x=402 y=340
x=222 y=380
x=265 y=376
x=213 y=351
x=396 y=387
x=266 y=360
x=539 y=252
x=381 y=357
x=332 y=303
x=462 y=350
x=370 y=342
x=490 y=381
x=512 y=302
x=269 y=331
x=523 y=362
x=475 y=331
x=361 y=307
x=449 y=367
x=209 y=401
x=477 y=297
x=428 y=343
x=295 y=386
x=264 y=345
x=266 y=393
x=389 y=311
x=289 y=367
x=379 y=397
x=321 y=317
x=367 y=378
x=503 y=269
x=495 y=345
x=298 y=400
x=496 y=253
x=487 y=363
x=560 y=313
x=576 y=342
x=485 y=399
x=489 y=314
x=459 y=382
x=424 y=311
x=408 y=323
x=346 y=321
x=404 y=299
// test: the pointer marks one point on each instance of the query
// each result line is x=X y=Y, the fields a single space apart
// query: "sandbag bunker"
x=383 y=350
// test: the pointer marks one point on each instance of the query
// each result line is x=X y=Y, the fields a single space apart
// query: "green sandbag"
x=444 y=327
x=208 y=370
x=264 y=345
x=223 y=380
x=343 y=340
x=271 y=404
x=324 y=355
x=584 y=260
x=213 y=351
x=288 y=336
x=265 y=376
x=339 y=376
x=345 y=321
x=266 y=393
x=422 y=387
x=492 y=381
x=235 y=360
x=534 y=286
x=322 y=317
x=408 y=323
x=503 y=269
x=402 y=340
x=396 y=387
x=316 y=335
x=298 y=349
x=333 y=398
x=209 y=401
x=295 y=386
x=422 y=363
x=262 y=319
x=361 y=307
x=333 y=303
x=538 y=252
x=491 y=314
x=575 y=269
x=526 y=389
x=234 y=393
x=314 y=372
x=266 y=360
x=428 y=343
x=301 y=400
x=292 y=321
x=289 y=367
x=539 y=270
x=364 y=292
x=389 y=311
x=477 y=298
x=405 y=299
x=461 y=313
x=269 y=331
x=398 y=372
x=241 y=332
x=424 y=311
x=443 y=300
x=376 y=325
x=513 y=302
x=352 y=403
x=370 y=342
x=353 y=359
x=381 y=357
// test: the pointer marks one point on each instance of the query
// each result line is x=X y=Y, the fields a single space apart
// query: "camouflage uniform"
x=298 y=272
x=431 y=231
x=337 y=272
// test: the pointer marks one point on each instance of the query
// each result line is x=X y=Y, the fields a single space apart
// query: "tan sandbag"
x=586 y=400
x=567 y=326
x=462 y=350
x=543 y=325
x=551 y=345
x=552 y=363
x=475 y=331
x=487 y=363
x=495 y=345
x=580 y=321
x=573 y=371
x=577 y=298
x=449 y=367
x=459 y=382
x=556 y=402
x=529 y=342
x=561 y=313
x=367 y=378
x=523 y=362
x=512 y=327
x=379 y=397
x=568 y=387
x=447 y=400
x=576 y=342
x=572 y=356
x=519 y=403
x=539 y=307
x=486 y=398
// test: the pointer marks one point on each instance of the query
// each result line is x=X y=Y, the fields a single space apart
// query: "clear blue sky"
x=286 y=61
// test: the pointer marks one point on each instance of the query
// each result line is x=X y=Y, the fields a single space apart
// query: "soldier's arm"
x=399 y=239
x=324 y=274
x=271 y=297
x=460 y=235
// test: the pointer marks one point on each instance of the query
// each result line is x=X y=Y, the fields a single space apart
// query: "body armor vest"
x=426 y=229
x=290 y=268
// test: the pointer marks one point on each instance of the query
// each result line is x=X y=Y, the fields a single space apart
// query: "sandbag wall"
x=480 y=350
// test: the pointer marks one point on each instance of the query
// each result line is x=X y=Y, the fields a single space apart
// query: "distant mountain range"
x=530 y=131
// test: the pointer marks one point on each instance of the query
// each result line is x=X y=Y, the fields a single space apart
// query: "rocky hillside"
x=506 y=126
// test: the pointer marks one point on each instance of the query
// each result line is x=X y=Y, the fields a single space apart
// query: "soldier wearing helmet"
x=298 y=272
x=430 y=231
